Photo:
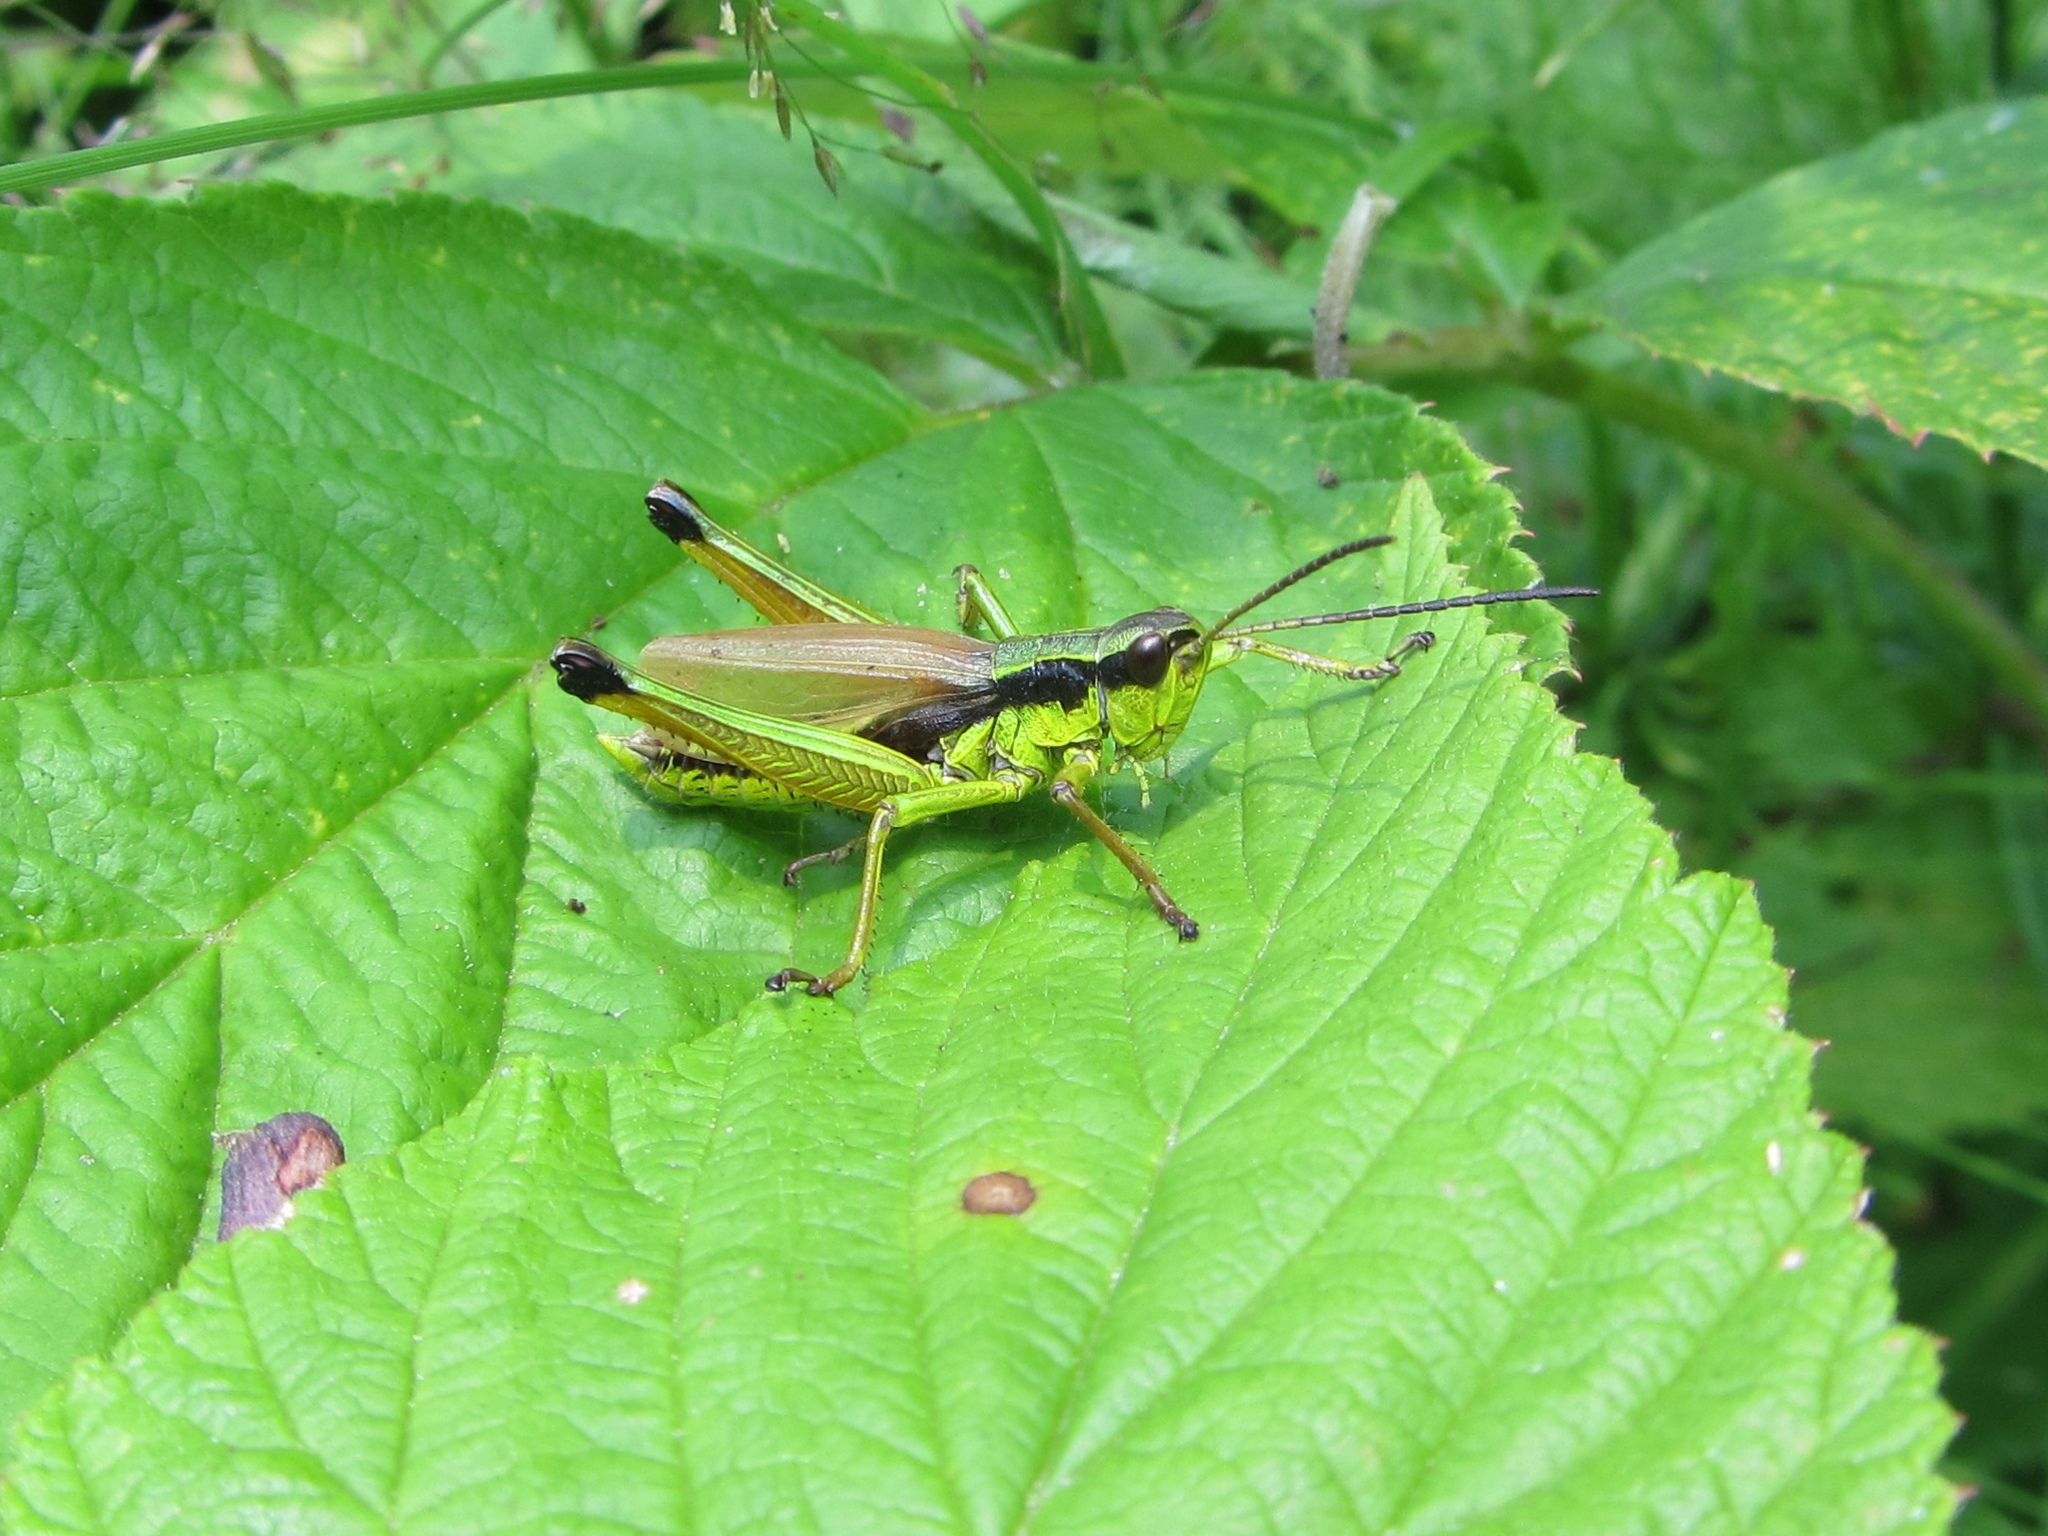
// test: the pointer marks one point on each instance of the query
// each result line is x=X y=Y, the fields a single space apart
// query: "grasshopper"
x=829 y=704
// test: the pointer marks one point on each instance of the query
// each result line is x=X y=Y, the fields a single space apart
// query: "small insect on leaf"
x=270 y=1164
x=828 y=166
x=998 y=1194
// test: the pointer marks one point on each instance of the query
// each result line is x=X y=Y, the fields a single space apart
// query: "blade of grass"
x=452 y=39
x=85 y=72
x=269 y=127
x=1087 y=329
x=1977 y=1165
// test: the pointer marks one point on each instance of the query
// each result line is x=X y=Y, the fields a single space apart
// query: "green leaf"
x=1634 y=116
x=297 y=492
x=1231 y=294
x=1905 y=279
x=290 y=820
x=896 y=254
x=1461 y=1177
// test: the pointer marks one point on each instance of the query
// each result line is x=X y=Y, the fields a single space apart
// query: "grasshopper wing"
x=807 y=761
x=844 y=677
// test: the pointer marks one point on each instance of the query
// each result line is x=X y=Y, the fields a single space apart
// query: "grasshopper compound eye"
x=1146 y=657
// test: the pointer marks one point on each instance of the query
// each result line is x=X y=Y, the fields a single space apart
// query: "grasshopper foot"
x=794 y=870
x=1177 y=920
x=817 y=986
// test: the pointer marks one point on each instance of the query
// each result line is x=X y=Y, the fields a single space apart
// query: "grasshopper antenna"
x=1221 y=629
x=1400 y=610
x=1301 y=573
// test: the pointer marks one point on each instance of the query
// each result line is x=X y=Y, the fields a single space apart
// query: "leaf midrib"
x=208 y=939
x=1041 y=1488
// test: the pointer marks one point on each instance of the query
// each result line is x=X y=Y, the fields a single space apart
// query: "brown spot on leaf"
x=270 y=1164
x=998 y=1194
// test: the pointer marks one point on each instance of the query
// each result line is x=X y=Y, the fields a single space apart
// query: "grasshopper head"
x=1150 y=670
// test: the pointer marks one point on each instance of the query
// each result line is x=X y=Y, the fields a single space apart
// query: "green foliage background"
x=1462 y=1178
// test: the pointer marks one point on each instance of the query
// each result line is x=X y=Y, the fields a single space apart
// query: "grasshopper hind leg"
x=899 y=810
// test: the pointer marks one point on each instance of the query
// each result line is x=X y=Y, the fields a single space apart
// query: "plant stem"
x=1087 y=330
x=452 y=39
x=1977 y=1164
x=78 y=165
x=1036 y=64
x=85 y=72
x=1824 y=495
x=1370 y=208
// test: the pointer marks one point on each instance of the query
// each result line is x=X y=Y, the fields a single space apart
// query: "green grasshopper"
x=829 y=704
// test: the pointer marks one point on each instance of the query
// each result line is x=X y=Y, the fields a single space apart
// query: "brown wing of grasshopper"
x=847 y=677
x=770 y=588
x=812 y=761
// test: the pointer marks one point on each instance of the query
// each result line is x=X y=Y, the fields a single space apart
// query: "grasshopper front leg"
x=1067 y=785
x=901 y=810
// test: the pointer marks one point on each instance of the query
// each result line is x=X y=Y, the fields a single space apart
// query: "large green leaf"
x=1460 y=1176
x=296 y=492
x=894 y=254
x=1634 y=116
x=288 y=824
x=1909 y=278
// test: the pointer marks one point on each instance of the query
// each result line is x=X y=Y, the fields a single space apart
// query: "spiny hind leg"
x=1067 y=787
x=901 y=810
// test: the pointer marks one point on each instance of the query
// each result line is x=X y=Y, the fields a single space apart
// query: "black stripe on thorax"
x=917 y=731
x=1061 y=680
